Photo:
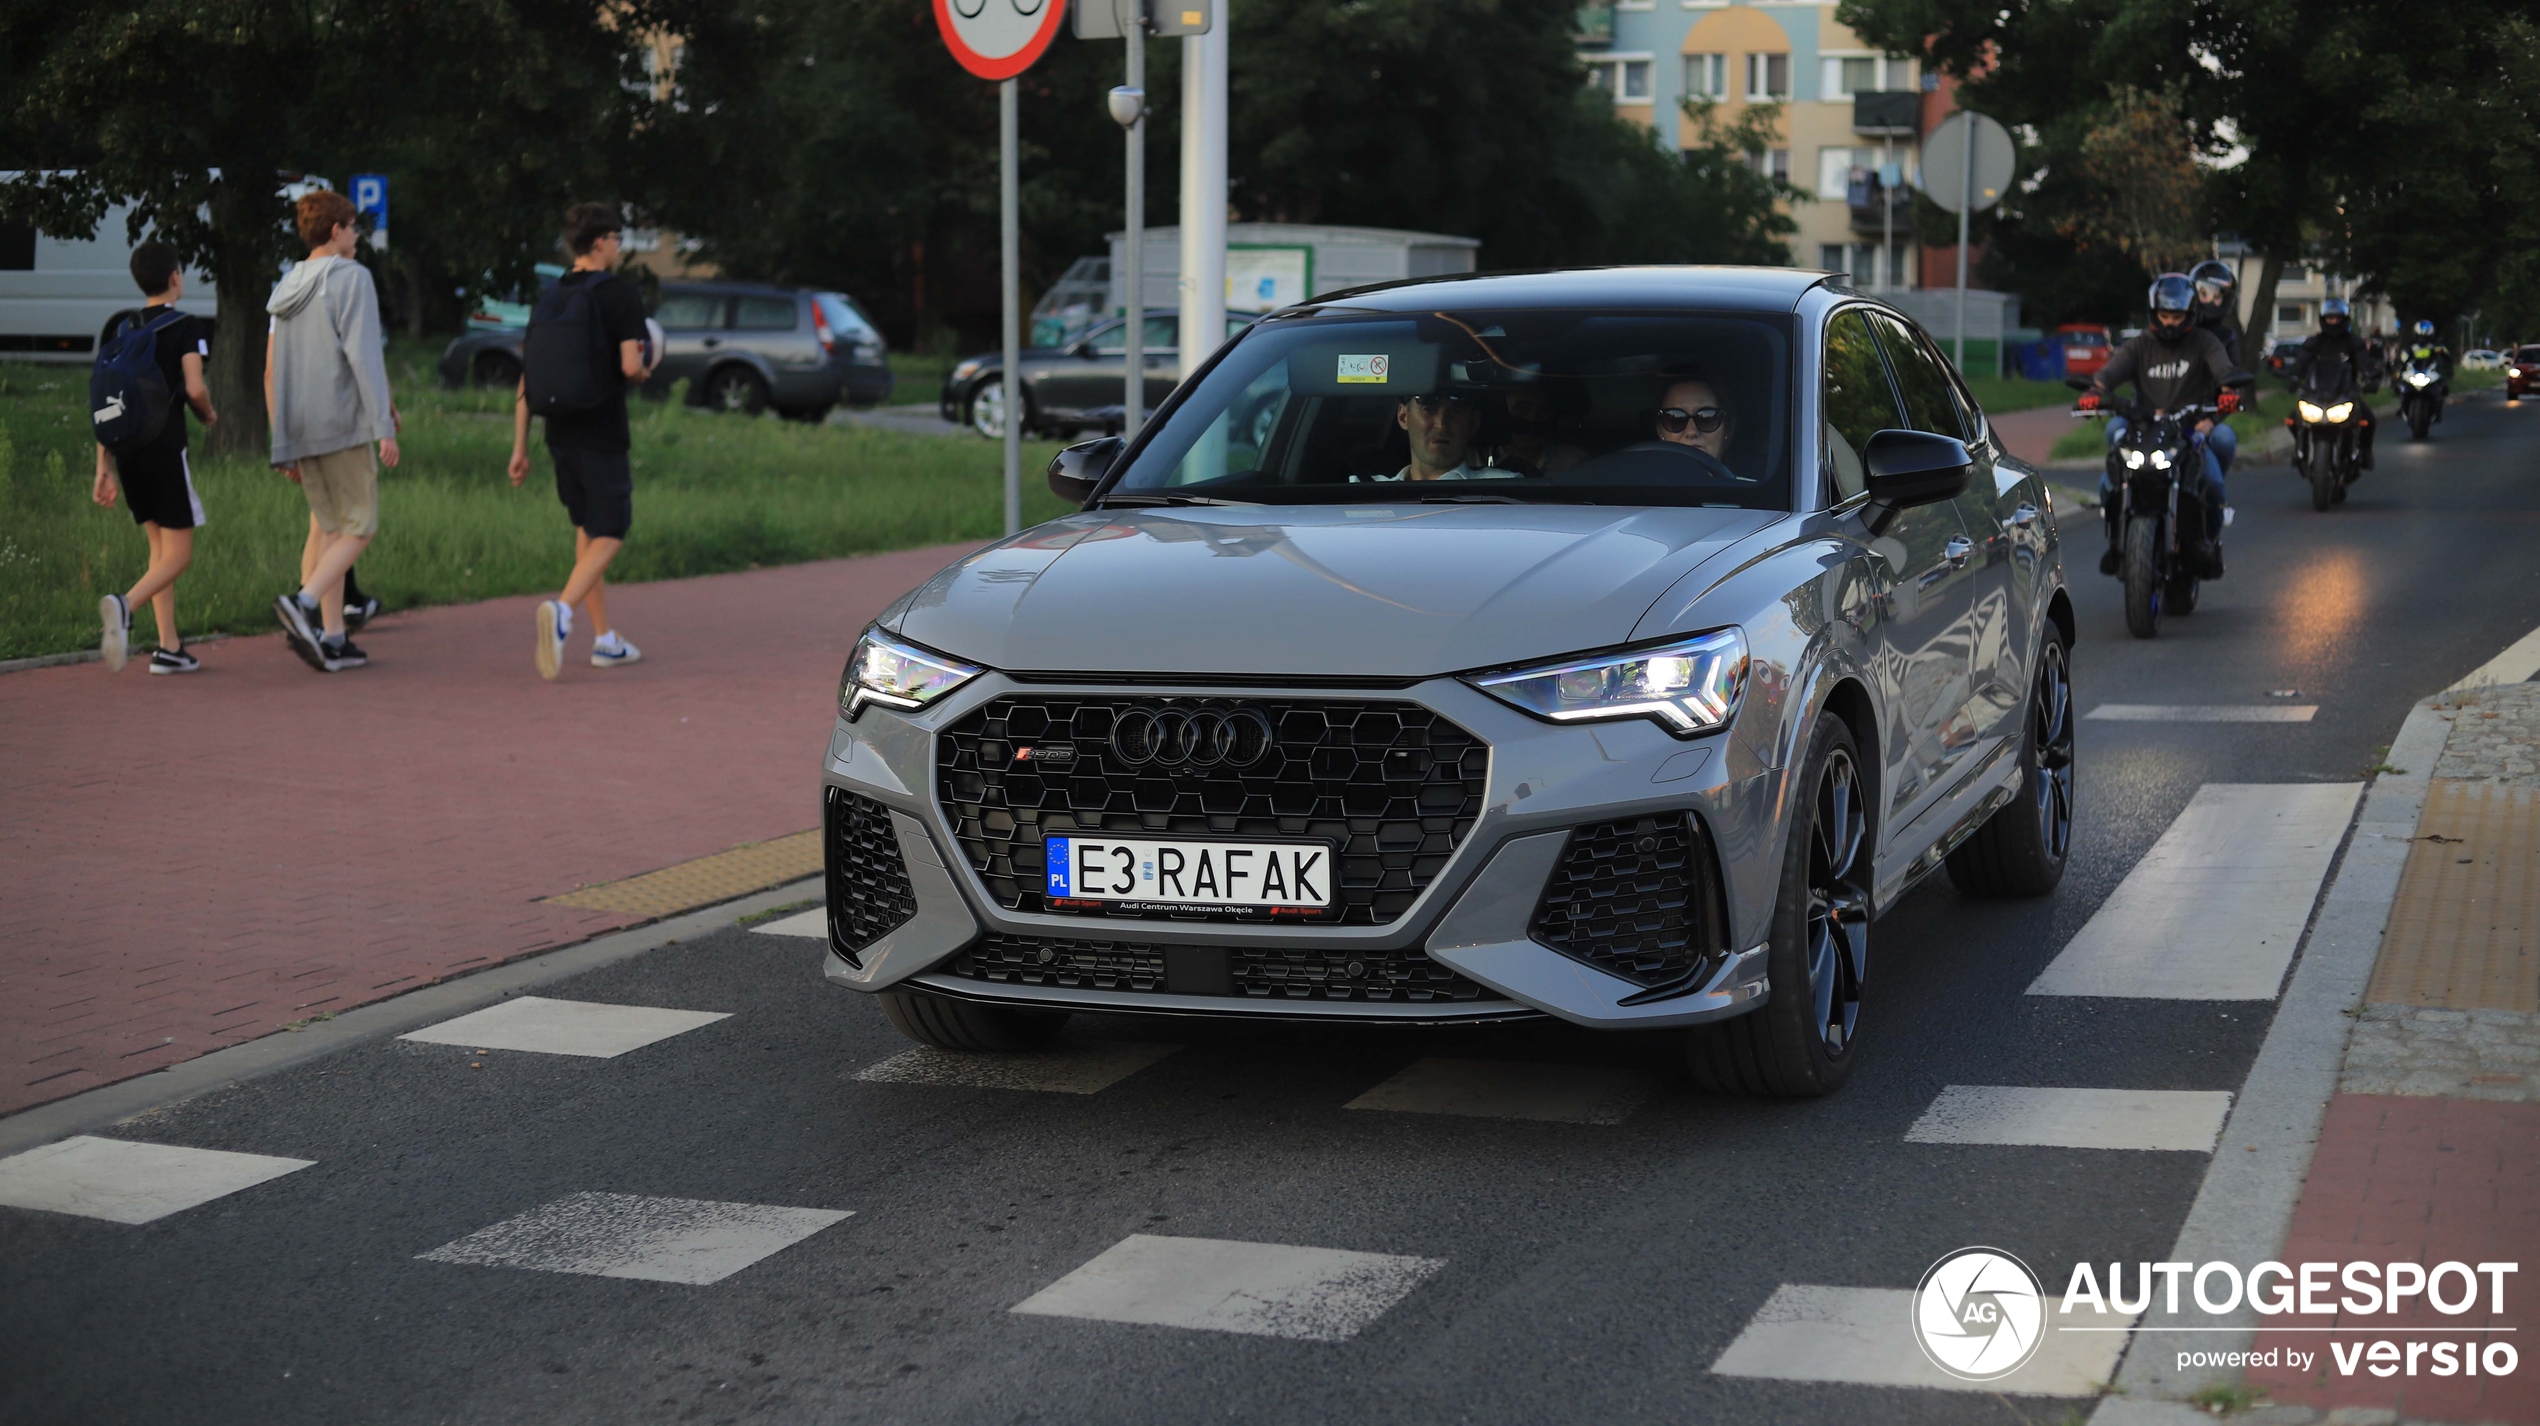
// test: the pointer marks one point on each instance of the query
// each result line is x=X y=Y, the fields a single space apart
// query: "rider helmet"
x=2425 y=327
x=2214 y=281
x=2336 y=318
x=2172 y=292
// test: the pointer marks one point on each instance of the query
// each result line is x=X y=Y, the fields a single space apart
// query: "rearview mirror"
x=1075 y=471
x=1908 y=468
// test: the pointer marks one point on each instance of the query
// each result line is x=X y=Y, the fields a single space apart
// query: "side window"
x=689 y=311
x=1234 y=443
x=1858 y=401
x=1931 y=405
x=764 y=314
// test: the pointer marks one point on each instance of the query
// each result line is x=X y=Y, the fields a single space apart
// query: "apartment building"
x=1847 y=111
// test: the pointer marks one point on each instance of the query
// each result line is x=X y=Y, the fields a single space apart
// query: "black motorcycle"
x=2328 y=423
x=2422 y=387
x=2156 y=469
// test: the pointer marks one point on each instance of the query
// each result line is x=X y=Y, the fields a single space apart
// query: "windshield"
x=1565 y=407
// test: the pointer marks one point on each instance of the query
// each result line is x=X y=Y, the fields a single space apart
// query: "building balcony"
x=1596 y=22
x=1884 y=113
x=1872 y=206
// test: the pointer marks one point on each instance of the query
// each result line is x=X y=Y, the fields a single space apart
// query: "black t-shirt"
x=621 y=317
x=188 y=333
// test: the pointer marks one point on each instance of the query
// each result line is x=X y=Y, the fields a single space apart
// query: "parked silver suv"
x=1606 y=645
x=745 y=348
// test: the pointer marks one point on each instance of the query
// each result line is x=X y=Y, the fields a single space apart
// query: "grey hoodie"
x=330 y=380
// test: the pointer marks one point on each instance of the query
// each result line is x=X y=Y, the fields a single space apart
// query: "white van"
x=56 y=294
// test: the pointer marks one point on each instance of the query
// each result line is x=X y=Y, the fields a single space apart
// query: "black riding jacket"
x=2187 y=372
x=2364 y=356
x=2225 y=325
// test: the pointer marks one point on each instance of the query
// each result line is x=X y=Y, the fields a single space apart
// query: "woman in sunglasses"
x=1692 y=415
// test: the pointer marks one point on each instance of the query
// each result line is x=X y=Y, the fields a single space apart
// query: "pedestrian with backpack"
x=326 y=388
x=149 y=369
x=586 y=344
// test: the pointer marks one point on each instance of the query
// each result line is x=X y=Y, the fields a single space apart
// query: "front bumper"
x=1469 y=942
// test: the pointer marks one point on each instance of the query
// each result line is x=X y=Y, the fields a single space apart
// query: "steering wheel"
x=1652 y=463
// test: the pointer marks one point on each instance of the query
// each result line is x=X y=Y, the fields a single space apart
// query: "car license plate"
x=1250 y=879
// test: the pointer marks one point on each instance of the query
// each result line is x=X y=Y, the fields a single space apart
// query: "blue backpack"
x=128 y=394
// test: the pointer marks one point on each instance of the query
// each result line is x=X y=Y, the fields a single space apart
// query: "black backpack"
x=128 y=396
x=565 y=356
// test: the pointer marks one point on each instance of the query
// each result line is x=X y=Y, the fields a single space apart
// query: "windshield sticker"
x=1363 y=370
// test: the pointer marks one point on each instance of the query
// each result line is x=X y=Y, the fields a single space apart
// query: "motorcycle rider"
x=2421 y=345
x=2337 y=337
x=2173 y=363
x=2218 y=311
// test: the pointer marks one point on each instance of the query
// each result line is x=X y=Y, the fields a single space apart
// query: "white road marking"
x=124 y=1182
x=1507 y=1089
x=1261 y=1289
x=814 y=922
x=2188 y=1120
x=2214 y=910
x=1073 y=1071
x=2519 y=663
x=564 y=1027
x=687 y=1240
x=2203 y=712
x=1864 y=1336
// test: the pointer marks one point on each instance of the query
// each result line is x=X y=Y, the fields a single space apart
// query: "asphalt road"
x=1591 y=1271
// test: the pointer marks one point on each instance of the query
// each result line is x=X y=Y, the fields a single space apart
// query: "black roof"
x=1750 y=289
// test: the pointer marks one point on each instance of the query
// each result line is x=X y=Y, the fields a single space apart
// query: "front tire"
x=2141 y=567
x=1803 y=1041
x=2020 y=850
x=944 y=1023
x=2323 y=473
x=2420 y=418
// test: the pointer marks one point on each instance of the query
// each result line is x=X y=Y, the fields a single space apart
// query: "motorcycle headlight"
x=2419 y=378
x=2134 y=460
x=2160 y=460
x=2310 y=412
x=2340 y=411
x=897 y=675
x=1691 y=686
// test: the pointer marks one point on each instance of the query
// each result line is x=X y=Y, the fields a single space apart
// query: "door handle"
x=1957 y=550
x=711 y=343
x=2024 y=516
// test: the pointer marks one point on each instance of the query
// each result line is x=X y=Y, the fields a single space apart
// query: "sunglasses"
x=1674 y=419
x=1431 y=403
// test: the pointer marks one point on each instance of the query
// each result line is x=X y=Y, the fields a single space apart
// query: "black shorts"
x=597 y=488
x=158 y=487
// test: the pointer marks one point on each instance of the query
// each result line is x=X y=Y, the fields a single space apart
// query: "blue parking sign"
x=370 y=195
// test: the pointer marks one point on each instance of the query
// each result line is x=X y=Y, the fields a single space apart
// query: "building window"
x=1707 y=76
x=1861 y=261
x=1834 y=170
x=1767 y=76
x=2289 y=314
x=1772 y=163
x=1625 y=78
x=17 y=247
x=1843 y=76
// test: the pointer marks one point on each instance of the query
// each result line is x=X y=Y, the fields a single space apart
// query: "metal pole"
x=1966 y=202
x=1133 y=399
x=1010 y=282
x=1887 y=215
x=1204 y=193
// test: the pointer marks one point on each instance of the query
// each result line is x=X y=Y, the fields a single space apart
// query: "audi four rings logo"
x=1203 y=738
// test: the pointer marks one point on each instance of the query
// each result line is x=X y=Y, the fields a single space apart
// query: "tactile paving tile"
x=2465 y=931
x=704 y=881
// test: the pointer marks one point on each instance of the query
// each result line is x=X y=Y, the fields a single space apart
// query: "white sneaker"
x=604 y=656
x=116 y=642
x=550 y=638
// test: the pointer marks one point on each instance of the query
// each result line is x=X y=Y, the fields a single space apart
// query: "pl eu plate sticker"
x=1363 y=370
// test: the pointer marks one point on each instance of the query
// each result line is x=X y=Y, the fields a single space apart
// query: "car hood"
x=1359 y=590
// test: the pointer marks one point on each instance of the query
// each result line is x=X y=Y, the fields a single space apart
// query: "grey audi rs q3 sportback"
x=1611 y=645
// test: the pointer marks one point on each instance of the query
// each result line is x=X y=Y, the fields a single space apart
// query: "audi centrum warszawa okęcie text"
x=1608 y=645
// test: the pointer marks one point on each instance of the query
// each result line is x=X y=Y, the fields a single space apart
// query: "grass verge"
x=714 y=493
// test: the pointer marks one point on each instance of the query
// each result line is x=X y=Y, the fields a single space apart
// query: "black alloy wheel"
x=736 y=389
x=2020 y=850
x=1801 y=1042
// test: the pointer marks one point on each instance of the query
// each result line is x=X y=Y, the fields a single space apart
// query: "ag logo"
x=998 y=39
x=1979 y=1314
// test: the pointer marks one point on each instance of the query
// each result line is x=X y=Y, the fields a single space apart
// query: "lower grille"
x=1251 y=973
x=1639 y=899
x=869 y=894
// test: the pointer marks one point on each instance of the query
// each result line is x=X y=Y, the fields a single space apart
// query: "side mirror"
x=1908 y=468
x=2240 y=377
x=2078 y=383
x=1075 y=471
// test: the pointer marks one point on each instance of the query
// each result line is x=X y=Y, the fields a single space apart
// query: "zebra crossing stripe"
x=1212 y=1285
x=2151 y=1119
x=125 y=1182
x=1864 y=1336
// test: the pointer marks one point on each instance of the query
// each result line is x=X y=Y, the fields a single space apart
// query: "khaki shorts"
x=343 y=490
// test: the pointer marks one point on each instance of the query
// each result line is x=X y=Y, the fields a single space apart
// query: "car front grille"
x=1639 y=899
x=869 y=893
x=1406 y=976
x=1392 y=786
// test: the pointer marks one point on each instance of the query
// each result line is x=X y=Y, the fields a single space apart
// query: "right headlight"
x=1691 y=686
x=897 y=675
x=2310 y=412
x=2341 y=411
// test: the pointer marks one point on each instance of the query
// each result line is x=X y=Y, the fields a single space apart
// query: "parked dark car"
x=741 y=346
x=1068 y=389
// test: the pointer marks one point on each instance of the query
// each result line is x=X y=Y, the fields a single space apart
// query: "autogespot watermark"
x=1981 y=1314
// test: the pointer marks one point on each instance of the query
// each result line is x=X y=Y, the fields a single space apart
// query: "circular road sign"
x=1945 y=161
x=998 y=39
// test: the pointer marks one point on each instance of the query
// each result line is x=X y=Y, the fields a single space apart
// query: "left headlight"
x=1690 y=686
x=2310 y=412
x=897 y=675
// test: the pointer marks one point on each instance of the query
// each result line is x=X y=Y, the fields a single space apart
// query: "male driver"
x=1691 y=415
x=326 y=388
x=1441 y=426
x=594 y=476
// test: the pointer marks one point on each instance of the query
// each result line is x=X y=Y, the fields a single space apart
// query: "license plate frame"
x=1063 y=866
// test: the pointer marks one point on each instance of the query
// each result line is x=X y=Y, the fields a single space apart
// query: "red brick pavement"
x=193 y=862
x=2425 y=1181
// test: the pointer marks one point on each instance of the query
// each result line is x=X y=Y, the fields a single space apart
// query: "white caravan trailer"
x=56 y=294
